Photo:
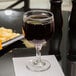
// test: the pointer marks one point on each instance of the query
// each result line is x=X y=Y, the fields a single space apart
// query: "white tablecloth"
x=21 y=70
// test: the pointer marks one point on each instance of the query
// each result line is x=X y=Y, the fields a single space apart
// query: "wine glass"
x=38 y=28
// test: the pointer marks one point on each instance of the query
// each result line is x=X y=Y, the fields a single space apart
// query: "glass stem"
x=38 y=53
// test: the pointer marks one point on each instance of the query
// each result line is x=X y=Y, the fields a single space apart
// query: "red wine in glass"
x=38 y=28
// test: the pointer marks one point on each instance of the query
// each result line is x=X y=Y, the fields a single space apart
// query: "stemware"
x=38 y=28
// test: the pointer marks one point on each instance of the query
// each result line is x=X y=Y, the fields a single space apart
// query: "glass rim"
x=51 y=16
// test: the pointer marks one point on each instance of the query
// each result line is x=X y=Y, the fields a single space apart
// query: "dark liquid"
x=38 y=31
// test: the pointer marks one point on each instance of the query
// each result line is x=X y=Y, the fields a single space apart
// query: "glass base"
x=34 y=65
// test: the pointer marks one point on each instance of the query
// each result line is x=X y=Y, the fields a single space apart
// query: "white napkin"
x=21 y=70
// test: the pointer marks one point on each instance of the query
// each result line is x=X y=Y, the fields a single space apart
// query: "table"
x=6 y=64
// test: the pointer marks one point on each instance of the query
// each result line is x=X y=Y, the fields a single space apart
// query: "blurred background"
x=66 y=5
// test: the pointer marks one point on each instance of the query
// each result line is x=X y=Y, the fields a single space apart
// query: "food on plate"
x=7 y=34
x=0 y=45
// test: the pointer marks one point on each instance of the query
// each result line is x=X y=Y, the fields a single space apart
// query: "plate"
x=8 y=36
x=4 y=44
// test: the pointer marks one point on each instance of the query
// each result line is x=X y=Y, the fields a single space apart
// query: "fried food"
x=0 y=45
x=7 y=34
